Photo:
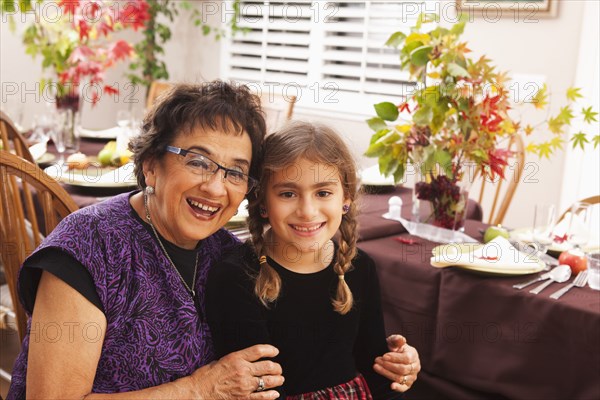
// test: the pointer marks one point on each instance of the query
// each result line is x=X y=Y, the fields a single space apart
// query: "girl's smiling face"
x=304 y=204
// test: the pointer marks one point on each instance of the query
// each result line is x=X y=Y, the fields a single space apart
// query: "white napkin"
x=123 y=174
x=496 y=254
x=38 y=150
x=110 y=133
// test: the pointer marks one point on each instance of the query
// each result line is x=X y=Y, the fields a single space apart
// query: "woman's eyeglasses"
x=200 y=164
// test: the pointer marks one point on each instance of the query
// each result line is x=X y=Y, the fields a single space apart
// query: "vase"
x=68 y=117
x=447 y=198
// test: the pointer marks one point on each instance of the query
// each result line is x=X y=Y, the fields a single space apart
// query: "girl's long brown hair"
x=318 y=143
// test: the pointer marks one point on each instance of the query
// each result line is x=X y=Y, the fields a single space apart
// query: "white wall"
x=548 y=50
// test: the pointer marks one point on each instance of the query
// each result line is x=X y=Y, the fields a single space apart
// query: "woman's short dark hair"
x=216 y=105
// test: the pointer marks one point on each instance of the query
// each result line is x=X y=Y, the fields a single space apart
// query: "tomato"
x=573 y=258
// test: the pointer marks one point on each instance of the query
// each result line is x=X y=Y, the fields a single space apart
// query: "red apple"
x=573 y=258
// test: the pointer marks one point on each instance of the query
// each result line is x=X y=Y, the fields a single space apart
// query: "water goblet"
x=579 y=229
x=544 y=219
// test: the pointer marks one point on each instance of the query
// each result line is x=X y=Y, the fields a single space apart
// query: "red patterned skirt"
x=356 y=389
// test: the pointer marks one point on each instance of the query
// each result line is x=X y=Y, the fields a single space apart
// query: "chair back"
x=589 y=200
x=156 y=89
x=278 y=109
x=11 y=138
x=502 y=191
x=31 y=205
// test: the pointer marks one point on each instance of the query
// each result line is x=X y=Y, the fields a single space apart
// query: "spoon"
x=560 y=274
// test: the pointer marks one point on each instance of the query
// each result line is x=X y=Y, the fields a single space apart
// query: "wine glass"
x=123 y=118
x=579 y=229
x=544 y=219
x=57 y=134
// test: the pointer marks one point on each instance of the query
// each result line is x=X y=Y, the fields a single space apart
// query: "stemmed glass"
x=579 y=229
x=544 y=219
x=58 y=137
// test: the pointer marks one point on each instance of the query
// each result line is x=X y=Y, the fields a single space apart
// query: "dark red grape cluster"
x=444 y=194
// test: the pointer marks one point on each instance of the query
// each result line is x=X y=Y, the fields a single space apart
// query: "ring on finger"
x=261 y=384
x=404 y=380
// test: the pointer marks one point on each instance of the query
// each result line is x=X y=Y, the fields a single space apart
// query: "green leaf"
x=579 y=139
x=423 y=116
x=399 y=173
x=541 y=97
x=589 y=115
x=573 y=93
x=395 y=39
x=458 y=28
x=544 y=150
x=387 y=111
x=376 y=124
x=457 y=71
x=8 y=6
x=596 y=141
x=444 y=159
x=420 y=55
x=555 y=125
x=566 y=115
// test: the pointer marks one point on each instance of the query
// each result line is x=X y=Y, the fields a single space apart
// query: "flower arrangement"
x=76 y=46
x=457 y=116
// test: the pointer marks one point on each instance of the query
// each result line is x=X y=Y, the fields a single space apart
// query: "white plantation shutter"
x=276 y=48
x=335 y=45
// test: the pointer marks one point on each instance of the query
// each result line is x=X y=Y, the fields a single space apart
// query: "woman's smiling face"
x=188 y=207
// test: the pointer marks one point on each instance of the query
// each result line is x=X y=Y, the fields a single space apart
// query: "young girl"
x=314 y=298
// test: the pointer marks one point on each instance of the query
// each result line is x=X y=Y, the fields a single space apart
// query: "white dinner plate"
x=531 y=264
x=94 y=176
x=106 y=134
x=524 y=235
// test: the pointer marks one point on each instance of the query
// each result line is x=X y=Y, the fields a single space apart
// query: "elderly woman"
x=116 y=292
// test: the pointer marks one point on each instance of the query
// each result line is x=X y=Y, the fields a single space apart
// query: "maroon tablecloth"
x=478 y=338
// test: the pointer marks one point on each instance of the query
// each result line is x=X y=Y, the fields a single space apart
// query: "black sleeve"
x=371 y=342
x=63 y=266
x=236 y=317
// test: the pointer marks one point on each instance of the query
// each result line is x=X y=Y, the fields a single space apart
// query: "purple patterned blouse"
x=155 y=332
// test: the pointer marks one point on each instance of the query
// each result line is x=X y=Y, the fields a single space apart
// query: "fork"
x=580 y=281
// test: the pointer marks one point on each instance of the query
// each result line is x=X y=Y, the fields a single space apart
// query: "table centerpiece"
x=455 y=124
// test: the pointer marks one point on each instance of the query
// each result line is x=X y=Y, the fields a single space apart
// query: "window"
x=326 y=50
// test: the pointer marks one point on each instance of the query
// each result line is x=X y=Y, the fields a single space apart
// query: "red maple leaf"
x=488 y=258
x=498 y=160
x=407 y=241
x=560 y=239
x=134 y=14
x=119 y=50
x=404 y=107
x=110 y=90
x=69 y=6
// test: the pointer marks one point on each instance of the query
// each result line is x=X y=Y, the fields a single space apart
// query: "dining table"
x=477 y=336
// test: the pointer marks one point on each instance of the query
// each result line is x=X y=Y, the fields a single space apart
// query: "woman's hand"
x=401 y=365
x=239 y=375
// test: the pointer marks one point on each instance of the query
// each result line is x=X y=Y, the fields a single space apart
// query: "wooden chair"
x=278 y=109
x=12 y=139
x=500 y=204
x=31 y=205
x=156 y=89
x=588 y=200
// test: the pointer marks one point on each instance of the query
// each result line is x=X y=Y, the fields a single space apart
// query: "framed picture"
x=523 y=9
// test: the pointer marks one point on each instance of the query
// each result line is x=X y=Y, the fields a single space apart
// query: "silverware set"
x=559 y=274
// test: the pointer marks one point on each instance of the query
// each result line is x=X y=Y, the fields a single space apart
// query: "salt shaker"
x=395 y=204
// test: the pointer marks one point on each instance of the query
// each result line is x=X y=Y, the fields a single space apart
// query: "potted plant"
x=76 y=47
x=147 y=66
x=455 y=121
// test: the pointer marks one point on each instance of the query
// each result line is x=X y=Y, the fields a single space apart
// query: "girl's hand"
x=401 y=365
x=239 y=374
